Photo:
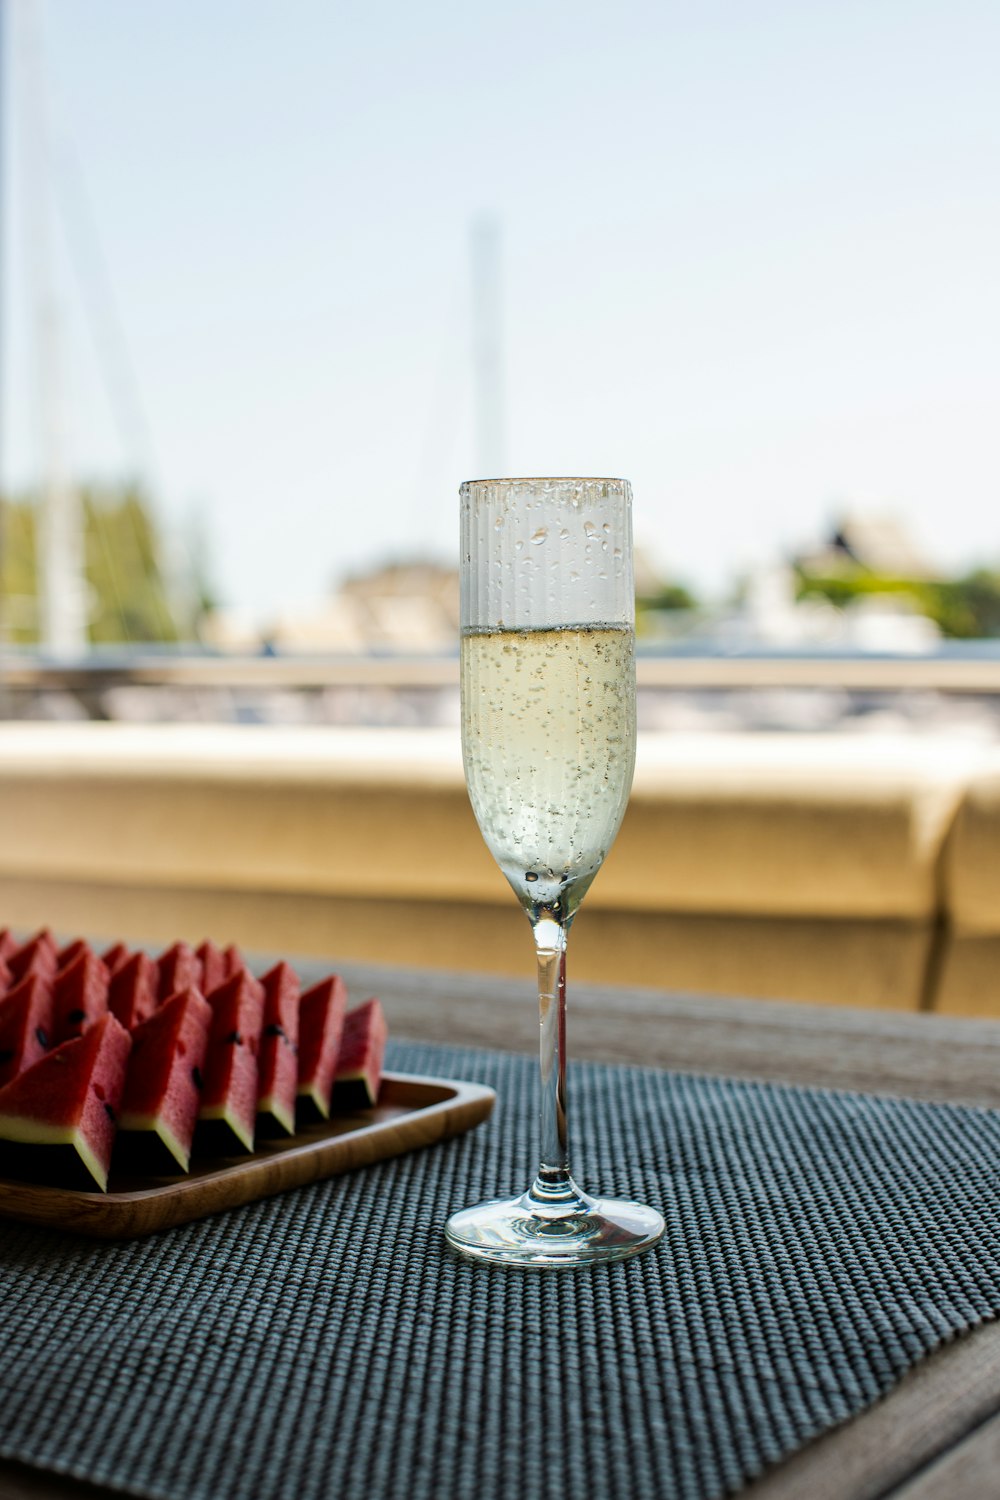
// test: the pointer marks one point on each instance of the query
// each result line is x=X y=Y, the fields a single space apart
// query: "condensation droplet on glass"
x=589 y=528
x=498 y=523
x=519 y=545
x=606 y=527
x=540 y=535
x=563 y=533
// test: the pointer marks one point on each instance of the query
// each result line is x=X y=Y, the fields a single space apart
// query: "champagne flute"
x=548 y=740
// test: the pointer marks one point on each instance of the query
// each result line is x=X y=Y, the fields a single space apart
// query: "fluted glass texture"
x=548 y=678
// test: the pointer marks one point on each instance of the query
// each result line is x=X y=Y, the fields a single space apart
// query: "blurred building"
x=406 y=607
x=870 y=543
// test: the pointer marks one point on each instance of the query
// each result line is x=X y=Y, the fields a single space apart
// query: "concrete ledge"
x=783 y=825
x=971 y=858
x=858 y=963
x=804 y=826
x=970 y=975
x=797 y=867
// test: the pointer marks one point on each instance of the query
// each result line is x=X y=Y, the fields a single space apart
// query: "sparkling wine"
x=548 y=737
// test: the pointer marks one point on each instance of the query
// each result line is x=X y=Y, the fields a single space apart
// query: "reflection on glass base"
x=577 y=1232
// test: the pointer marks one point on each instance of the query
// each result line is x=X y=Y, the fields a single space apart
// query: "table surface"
x=938 y=1432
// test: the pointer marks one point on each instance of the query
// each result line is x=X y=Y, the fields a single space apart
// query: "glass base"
x=577 y=1231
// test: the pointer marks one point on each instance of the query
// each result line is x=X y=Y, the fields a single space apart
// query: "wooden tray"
x=411 y=1112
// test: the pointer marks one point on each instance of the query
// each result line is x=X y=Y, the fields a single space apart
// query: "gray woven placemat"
x=327 y=1344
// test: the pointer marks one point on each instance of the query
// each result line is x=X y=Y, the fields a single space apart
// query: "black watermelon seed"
x=275 y=1029
x=75 y=1016
x=42 y=1035
x=199 y=1082
x=109 y=1111
x=235 y=1037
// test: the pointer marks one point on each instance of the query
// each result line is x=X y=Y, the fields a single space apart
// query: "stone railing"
x=852 y=870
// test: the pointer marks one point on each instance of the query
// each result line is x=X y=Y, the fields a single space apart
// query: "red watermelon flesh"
x=359 y=1064
x=321 y=1021
x=71 y=952
x=114 y=957
x=25 y=1026
x=179 y=969
x=234 y=961
x=229 y=1099
x=58 y=1117
x=8 y=943
x=214 y=969
x=37 y=956
x=278 y=1061
x=159 y=1109
x=5 y=976
x=80 y=997
x=133 y=990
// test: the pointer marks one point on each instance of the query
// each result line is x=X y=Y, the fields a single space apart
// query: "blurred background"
x=278 y=274
x=277 y=277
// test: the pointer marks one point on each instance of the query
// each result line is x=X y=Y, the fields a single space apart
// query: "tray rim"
x=280 y=1167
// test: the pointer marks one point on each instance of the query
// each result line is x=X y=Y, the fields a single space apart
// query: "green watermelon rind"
x=352 y=1092
x=269 y=1109
x=216 y=1130
x=143 y=1139
x=20 y=1131
x=310 y=1105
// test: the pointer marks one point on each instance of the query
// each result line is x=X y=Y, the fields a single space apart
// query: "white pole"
x=61 y=584
x=487 y=348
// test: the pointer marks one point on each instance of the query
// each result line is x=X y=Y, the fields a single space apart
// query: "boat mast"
x=487 y=347
x=3 y=339
x=60 y=543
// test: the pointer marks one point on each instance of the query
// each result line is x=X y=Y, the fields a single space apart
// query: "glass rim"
x=546 y=479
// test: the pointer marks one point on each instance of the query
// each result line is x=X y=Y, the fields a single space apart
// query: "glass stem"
x=553 y=1184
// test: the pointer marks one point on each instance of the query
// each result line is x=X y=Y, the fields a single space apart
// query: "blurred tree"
x=969 y=607
x=669 y=596
x=128 y=594
x=658 y=602
x=964 y=608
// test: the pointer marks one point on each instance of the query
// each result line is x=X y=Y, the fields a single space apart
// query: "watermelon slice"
x=214 y=969
x=234 y=961
x=37 y=956
x=229 y=1099
x=159 y=1109
x=278 y=1061
x=57 y=1119
x=25 y=1026
x=179 y=969
x=80 y=997
x=71 y=952
x=133 y=990
x=359 y=1064
x=114 y=957
x=321 y=1021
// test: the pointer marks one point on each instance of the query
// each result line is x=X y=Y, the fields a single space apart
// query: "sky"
x=749 y=255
